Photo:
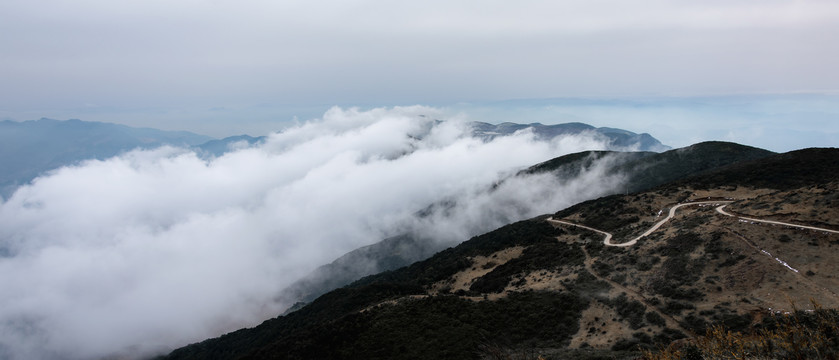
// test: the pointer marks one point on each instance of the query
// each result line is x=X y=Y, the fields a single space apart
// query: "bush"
x=630 y=310
x=800 y=335
x=676 y=307
x=601 y=268
x=654 y=318
x=679 y=274
x=548 y=255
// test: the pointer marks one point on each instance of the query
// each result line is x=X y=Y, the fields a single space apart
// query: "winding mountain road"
x=607 y=237
x=720 y=208
x=721 y=211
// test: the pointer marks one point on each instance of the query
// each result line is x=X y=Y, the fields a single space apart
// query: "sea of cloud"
x=154 y=249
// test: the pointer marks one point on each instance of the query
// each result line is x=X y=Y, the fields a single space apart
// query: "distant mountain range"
x=31 y=148
x=751 y=239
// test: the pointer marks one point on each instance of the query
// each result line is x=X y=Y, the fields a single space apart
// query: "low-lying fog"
x=152 y=250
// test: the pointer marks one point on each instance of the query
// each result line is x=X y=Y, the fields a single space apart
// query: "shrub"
x=548 y=255
x=654 y=318
x=800 y=335
x=676 y=307
x=630 y=310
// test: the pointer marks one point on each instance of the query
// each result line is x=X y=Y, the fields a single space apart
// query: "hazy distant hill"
x=221 y=146
x=30 y=148
x=617 y=138
x=537 y=287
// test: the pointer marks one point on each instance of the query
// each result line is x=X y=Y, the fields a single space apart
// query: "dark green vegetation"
x=551 y=255
x=450 y=261
x=564 y=294
x=695 y=161
x=646 y=170
x=781 y=172
x=440 y=327
x=350 y=321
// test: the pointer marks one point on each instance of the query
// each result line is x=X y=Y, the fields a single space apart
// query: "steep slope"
x=542 y=287
x=389 y=254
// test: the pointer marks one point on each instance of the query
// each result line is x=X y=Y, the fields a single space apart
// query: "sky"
x=221 y=67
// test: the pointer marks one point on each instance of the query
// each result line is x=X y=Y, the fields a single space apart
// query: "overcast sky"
x=106 y=258
x=223 y=67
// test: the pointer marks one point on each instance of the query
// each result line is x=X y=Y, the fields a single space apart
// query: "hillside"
x=542 y=287
x=388 y=254
x=642 y=171
x=645 y=170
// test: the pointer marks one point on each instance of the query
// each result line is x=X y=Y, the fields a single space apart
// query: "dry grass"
x=800 y=334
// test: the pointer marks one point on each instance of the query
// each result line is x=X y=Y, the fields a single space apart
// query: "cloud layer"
x=154 y=249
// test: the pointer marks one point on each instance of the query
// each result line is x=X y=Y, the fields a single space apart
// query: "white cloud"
x=155 y=249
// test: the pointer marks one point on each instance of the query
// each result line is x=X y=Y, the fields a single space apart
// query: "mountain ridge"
x=647 y=169
x=558 y=291
x=30 y=148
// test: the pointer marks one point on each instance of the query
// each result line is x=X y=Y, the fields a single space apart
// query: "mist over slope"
x=153 y=249
x=640 y=170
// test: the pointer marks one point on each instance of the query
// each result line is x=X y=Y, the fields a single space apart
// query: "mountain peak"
x=616 y=138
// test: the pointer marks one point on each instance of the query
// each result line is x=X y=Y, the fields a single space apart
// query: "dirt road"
x=607 y=240
x=607 y=237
